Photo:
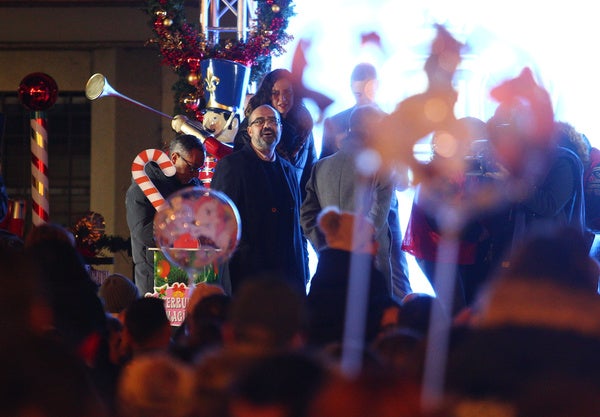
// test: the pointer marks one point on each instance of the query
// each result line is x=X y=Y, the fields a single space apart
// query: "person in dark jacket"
x=364 y=84
x=545 y=182
x=264 y=188
x=350 y=246
x=297 y=144
x=187 y=155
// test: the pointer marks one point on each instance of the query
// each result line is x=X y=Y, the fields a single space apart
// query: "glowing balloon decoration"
x=38 y=91
x=197 y=228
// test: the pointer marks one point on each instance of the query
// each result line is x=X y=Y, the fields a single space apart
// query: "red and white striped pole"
x=38 y=92
x=40 y=208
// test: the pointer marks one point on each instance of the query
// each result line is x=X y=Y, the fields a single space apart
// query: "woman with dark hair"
x=277 y=89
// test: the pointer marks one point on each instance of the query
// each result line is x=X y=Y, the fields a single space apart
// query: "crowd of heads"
x=532 y=333
x=233 y=356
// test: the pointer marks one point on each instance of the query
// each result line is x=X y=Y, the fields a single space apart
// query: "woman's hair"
x=263 y=94
x=568 y=137
x=298 y=115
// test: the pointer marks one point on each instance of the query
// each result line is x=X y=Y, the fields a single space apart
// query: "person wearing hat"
x=117 y=292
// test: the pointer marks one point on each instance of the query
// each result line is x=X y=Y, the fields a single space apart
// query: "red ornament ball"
x=163 y=268
x=38 y=91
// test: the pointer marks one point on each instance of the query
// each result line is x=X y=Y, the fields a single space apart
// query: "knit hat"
x=117 y=293
x=338 y=228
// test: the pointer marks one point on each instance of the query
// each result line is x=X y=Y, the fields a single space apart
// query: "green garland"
x=182 y=46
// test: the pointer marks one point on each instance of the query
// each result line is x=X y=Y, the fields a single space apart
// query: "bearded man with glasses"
x=265 y=189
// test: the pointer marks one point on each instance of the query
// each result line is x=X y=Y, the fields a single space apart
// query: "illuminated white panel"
x=557 y=41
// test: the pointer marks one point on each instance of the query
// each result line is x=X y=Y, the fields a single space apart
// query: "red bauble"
x=38 y=91
x=186 y=241
x=163 y=268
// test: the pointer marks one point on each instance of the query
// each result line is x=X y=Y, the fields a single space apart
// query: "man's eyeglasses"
x=261 y=121
x=191 y=167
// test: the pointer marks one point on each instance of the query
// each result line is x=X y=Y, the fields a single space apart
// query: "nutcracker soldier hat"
x=225 y=84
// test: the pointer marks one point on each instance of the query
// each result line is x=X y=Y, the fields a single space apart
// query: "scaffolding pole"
x=212 y=12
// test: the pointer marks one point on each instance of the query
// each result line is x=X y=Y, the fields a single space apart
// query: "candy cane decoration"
x=139 y=175
x=39 y=169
